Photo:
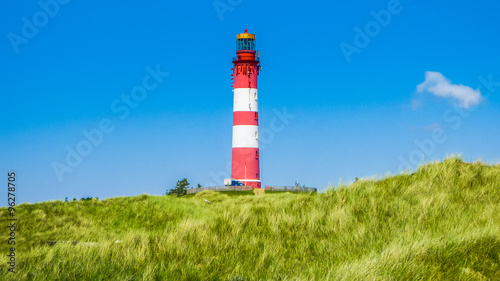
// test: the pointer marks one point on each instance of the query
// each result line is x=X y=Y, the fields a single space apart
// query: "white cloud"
x=438 y=85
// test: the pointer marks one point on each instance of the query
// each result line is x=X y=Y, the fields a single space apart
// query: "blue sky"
x=325 y=115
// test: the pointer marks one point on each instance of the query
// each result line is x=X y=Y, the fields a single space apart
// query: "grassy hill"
x=440 y=223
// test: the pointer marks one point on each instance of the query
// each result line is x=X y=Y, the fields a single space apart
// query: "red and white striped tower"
x=245 y=161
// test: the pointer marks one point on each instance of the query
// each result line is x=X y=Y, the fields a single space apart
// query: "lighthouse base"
x=253 y=184
x=245 y=166
x=243 y=183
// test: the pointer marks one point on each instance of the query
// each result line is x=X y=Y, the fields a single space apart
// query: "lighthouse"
x=245 y=157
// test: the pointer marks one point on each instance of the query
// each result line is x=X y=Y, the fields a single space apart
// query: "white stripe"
x=246 y=136
x=244 y=180
x=245 y=99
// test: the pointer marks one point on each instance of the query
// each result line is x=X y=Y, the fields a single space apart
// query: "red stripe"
x=241 y=77
x=245 y=118
x=243 y=81
x=249 y=157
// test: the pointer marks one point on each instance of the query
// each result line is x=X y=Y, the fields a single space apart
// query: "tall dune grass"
x=440 y=223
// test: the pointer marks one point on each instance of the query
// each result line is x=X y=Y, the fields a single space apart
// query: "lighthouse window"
x=256 y=135
x=256 y=154
x=246 y=44
x=255 y=95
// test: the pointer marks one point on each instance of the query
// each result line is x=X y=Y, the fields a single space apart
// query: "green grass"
x=229 y=193
x=440 y=223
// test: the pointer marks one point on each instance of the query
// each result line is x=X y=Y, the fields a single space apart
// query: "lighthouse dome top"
x=245 y=35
